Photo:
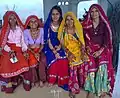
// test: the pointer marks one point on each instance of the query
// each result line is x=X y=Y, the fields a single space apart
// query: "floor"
x=42 y=93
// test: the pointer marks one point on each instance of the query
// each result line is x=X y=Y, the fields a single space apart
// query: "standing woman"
x=12 y=61
x=100 y=80
x=70 y=34
x=34 y=39
x=57 y=63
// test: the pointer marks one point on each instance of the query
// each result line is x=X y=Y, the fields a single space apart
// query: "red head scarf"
x=6 y=27
x=88 y=22
x=35 y=17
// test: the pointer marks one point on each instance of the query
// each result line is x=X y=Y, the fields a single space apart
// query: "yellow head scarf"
x=77 y=24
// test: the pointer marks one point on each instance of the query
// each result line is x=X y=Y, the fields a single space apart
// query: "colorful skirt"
x=100 y=77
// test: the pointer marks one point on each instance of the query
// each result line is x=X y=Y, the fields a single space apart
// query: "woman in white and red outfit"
x=12 y=45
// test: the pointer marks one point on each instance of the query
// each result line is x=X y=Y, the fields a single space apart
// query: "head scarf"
x=78 y=27
x=88 y=21
x=6 y=27
x=29 y=19
x=49 y=20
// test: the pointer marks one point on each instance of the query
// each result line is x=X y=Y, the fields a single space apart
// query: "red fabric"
x=8 y=69
x=77 y=78
x=6 y=27
x=87 y=24
x=28 y=21
x=106 y=56
x=32 y=60
x=57 y=70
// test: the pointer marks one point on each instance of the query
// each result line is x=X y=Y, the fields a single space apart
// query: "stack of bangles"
x=54 y=51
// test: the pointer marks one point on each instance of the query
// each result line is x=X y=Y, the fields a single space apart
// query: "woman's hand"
x=26 y=55
x=57 y=48
x=71 y=57
x=88 y=49
x=97 y=53
x=37 y=56
x=57 y=55
x=12 y=54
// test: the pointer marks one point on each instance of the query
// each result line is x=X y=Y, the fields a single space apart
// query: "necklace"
x=55 y=28
x=34 y=36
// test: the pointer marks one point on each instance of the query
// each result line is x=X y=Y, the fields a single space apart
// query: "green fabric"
x=98 y=83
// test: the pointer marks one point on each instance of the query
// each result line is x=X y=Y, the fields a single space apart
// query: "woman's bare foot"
x=71 y=95
x=41 y=84
x=50 y=84
x=103 y=95
x=90 y=95
x=46 y=83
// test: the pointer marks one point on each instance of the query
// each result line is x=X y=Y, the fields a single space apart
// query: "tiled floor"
x=41 y=93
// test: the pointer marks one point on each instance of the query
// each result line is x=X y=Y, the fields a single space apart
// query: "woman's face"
x=69 y=21
x=94 y=13
x=55 y=15
x=12 y=20
x=33 y=23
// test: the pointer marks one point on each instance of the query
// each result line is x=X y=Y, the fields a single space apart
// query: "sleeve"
x=106 y=39
x=24 y=43
x=42 y=36
x=25 y=37
x=7 y=48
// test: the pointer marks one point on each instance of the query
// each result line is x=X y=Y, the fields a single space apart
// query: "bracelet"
x=54 y=52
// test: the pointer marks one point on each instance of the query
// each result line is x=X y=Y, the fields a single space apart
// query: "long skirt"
x=77 y=78
x=58 y=72
x=101 y=74
x=37 y=67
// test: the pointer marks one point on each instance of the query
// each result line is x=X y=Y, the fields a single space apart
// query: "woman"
x=70 y=34
x=34 y=39
x=97 y=31
x=57 y=63
x=12 y=61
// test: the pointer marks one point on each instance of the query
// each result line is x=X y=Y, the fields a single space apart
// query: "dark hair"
x=59 y=10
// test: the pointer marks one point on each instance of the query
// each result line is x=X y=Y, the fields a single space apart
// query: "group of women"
x=65 y=52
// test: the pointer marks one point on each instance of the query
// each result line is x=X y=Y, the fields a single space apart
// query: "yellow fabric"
x=71 y=43
x=77 y=24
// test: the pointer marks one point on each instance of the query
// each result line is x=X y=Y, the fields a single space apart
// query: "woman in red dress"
x=12 y=61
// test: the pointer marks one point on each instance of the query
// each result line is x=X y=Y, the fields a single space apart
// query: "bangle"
x=55 y=52
x=52 y=49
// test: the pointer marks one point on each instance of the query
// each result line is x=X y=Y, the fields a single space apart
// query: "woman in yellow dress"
x=70 y=34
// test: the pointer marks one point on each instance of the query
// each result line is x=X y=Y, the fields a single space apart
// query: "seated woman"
x=12 y=61
x=34 y=39
x=100 y=79
x=70 y=34
x=57 y=63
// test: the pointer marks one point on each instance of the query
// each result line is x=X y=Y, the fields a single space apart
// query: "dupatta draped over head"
x=87 y=24
x=6 y=27
x=78 y=27
x=49 y=20
x=33 y=17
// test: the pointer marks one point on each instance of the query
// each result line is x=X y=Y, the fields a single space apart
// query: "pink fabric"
x=17 y=38
x=77 y=78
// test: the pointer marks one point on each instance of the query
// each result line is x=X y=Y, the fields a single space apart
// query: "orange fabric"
x=32 y=60
x=13 y=69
